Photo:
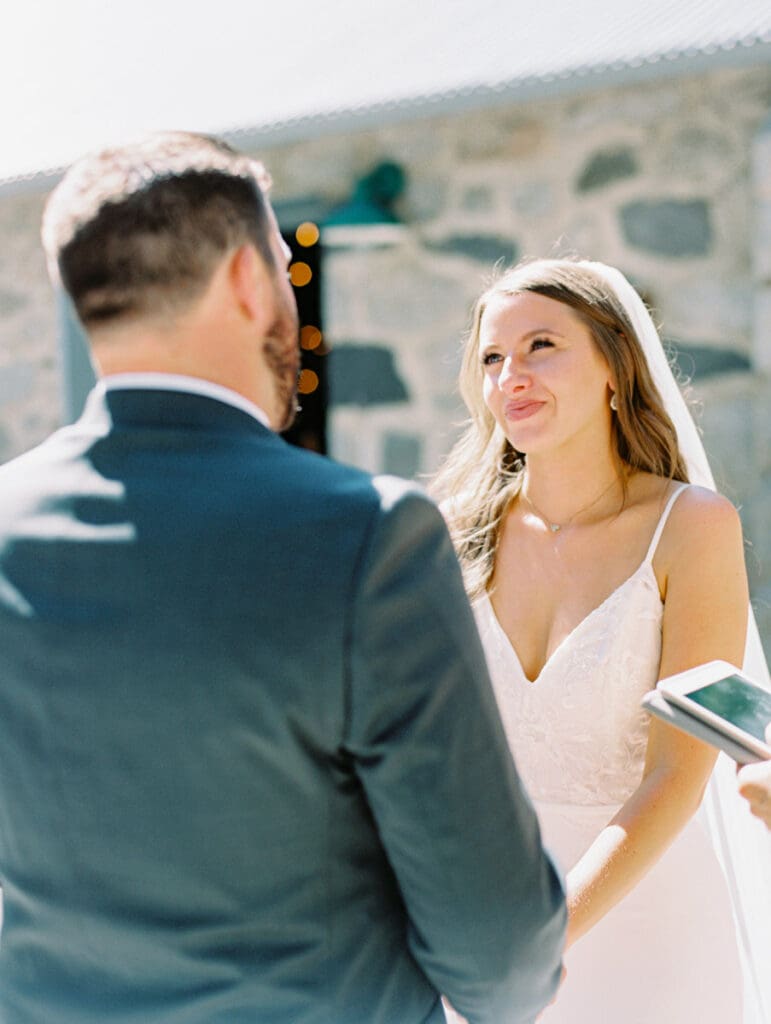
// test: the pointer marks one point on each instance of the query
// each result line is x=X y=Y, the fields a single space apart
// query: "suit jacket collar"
x=117 y=407
x=148 y=381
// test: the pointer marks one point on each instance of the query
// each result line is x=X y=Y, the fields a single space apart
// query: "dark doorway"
x=310 y=427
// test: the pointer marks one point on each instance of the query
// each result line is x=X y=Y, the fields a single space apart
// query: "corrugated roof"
x=416 y=57
x=307 y=68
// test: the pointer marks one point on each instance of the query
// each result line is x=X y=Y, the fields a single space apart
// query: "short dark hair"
x=138 y=230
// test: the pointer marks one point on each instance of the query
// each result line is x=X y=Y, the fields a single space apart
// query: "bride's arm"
x=701 y=565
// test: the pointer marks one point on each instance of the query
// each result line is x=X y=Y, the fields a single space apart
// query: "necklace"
x=556 y=527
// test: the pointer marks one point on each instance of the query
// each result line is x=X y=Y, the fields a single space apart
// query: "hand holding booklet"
x=718 y=704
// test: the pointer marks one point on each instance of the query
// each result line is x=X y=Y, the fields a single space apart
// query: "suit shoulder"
x=393 y=490
x=355 y=486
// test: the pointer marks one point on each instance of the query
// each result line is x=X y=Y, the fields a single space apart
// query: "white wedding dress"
x=667 y=953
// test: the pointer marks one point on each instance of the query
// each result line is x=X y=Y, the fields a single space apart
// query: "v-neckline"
x=589 y=615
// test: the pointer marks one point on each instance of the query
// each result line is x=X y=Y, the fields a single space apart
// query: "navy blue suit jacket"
x=251 y=768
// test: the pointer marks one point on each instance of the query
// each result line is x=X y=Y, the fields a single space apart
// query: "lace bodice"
x=578 y=733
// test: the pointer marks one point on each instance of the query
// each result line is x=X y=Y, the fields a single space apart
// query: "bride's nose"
x=513 y=376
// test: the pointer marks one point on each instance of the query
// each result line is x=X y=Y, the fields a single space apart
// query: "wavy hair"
x=483 y=472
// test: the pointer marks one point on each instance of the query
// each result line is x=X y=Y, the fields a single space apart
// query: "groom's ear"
x=250 y=282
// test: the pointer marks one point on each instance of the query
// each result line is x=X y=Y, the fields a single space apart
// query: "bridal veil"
x=742 y=843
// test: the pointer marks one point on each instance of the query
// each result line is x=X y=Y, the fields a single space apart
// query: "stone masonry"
x=30 y=404
x=670 y=180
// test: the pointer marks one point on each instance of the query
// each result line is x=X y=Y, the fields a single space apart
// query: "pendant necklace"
x=556 y=527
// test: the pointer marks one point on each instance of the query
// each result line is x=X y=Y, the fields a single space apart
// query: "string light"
x=307 y=234
x=308 y=382
x=300 y=274
x=310 y=338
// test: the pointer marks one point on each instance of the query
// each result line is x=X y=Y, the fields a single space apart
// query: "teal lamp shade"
x=367 y=217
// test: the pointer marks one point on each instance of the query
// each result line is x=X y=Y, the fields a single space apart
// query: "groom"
x=250 y=764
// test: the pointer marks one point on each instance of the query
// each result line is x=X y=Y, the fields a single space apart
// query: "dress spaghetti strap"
x=663 y=521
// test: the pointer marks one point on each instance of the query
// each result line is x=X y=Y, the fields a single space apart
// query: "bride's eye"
x=540 y=343
x=490 y=357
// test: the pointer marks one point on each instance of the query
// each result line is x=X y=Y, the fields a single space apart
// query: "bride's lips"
x=521 y=410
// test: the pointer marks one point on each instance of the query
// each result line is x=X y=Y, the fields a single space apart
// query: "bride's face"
x=545 y=381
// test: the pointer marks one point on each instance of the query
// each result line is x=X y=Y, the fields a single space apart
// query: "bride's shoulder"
x=696 y=505
x=698 y=518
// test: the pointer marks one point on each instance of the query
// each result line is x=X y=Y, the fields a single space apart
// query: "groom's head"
x=137 y=235
x=137 y=230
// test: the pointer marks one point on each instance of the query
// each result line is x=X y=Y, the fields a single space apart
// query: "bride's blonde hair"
x=483 y=472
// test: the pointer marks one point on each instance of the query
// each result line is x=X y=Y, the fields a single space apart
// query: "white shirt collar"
x=181 y=382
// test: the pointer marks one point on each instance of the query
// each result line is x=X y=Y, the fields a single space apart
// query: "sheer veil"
x=741 y=841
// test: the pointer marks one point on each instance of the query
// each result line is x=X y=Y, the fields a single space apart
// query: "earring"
x=614 y=402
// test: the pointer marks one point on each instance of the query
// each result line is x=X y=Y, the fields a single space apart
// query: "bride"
x=597 y=566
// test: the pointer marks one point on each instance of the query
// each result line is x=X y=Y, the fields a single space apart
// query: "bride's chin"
x=524 y=441
x=523 y=444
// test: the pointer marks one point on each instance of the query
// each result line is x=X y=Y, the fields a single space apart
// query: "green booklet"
x=718 y=704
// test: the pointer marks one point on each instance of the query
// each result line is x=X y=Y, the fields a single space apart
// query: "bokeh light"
x=310 y=338
x=300 y=274
x=307 y=234
x=308 y=382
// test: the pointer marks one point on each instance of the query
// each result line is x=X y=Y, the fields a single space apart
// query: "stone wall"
x=30 y=396
x=670 y=180
x=656 y=180
x=661 y=180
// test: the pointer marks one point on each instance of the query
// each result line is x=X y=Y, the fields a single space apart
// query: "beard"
x=282 y=355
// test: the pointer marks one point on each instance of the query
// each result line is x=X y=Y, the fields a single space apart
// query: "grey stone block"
x=697 y=362
x=364 y=374
x=482 y=248
x=605 y=167
x=668 y=227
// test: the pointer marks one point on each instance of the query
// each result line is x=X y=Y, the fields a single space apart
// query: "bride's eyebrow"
x=541 y=330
